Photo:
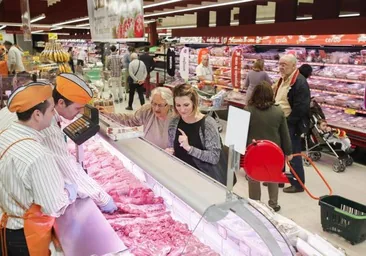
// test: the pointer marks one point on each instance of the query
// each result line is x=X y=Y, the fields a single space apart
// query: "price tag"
x=52 y=36
x=350 y=111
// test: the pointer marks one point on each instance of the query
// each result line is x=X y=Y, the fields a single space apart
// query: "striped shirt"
x=71 y=170
x=115 y=64
x=29 y=174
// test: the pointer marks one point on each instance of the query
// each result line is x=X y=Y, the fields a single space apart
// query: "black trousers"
x=140 y=91
x=16 y=243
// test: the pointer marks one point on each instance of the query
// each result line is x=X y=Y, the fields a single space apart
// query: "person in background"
x=137 y=75
x=150 y=66
x=187 y=140
x=306 y=70
x=30 y=180
x=154 y=117
x=114 y=63
x=334 y=136
x=3 y=65
x=292 y=93
x=82 y=56
x=126 y=65
x=267 y=122
x=255 y=77
x=71 y=94
x=71 y=60
x=2 y=53
x=15 y=62
x=205 y=74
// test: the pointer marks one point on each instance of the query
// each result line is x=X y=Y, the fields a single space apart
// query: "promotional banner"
x=26 y=27
x=236 y=68
x=116 y=20
x=184 y=63
x=171 y=62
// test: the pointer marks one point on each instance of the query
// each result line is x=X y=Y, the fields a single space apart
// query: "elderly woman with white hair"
x=137 y=75
x=155 y=117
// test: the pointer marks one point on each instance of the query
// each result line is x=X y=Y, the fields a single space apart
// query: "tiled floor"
x=300 y=207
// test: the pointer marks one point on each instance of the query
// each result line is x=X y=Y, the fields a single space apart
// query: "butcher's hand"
x=110 y=207
x=183 y=140
x=72 y=190
x=170 y=151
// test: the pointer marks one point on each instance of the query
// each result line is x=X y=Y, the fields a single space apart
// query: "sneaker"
x=293 y=189
x=276 y=208
x=129 y=108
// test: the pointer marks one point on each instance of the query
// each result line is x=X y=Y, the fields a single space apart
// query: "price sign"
x=1 y=37
x=350 y=111
x=52 y=36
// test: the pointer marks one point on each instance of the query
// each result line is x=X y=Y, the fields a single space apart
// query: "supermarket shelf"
x=342 y=108
x=338 y=93
x=338 y=79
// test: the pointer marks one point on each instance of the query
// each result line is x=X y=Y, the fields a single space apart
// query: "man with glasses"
x=155 y=117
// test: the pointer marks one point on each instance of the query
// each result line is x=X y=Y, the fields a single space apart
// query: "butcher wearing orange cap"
x=31 y=183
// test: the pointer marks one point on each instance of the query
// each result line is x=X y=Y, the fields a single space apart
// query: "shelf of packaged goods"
x=338 y=93
x=339 y=79
x=343 y=108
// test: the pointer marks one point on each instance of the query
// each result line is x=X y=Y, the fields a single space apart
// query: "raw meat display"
x=142 y=220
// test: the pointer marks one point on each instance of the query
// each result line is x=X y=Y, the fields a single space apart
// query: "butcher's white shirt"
x=54 y=140
x=15 y=57
x=30 y=174
x=204 y=71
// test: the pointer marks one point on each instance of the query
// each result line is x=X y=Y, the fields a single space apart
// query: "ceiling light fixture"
x=70 y=21
x=2 y=27
x=161 y=3
x=56 y=28
x=149 y=21
x=304 y=18
x=37 y=31
x=264 y=21
x=83 y=25
x=349 y=15
x=40 y=17
x=198 y=8
x=178 y=27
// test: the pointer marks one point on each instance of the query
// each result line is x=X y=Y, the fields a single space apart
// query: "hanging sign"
x=202 y=52
x=184 y=63
x=215 y=40
x=52 y=36
x=171 y=62
x=236 y=68
x=25 y=15
x=116 y=20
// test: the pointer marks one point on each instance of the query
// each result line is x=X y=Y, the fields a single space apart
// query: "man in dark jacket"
x=292 y=93
x=150 y=65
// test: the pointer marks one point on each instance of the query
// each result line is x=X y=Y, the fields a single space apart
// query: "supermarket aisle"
x=300 y=207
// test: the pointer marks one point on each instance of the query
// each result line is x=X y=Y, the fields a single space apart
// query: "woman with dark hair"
x=306 y=70
x=267 y=122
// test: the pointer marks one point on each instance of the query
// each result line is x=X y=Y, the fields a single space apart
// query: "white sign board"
x=237 y=129
x=116 y=20
x=184 y=63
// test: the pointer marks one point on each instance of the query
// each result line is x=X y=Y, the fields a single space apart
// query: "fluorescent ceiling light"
x=149 y=21
x=75 y=27
x=178 y=27
x=83 y=25
x=70 y=21
x=37 y=31
x=304 y=18
x=56 y=28
x=40 y=17
x=198 y=8
x=2 y=27
x=264 y=21
x=161 y=3
x=349 y=15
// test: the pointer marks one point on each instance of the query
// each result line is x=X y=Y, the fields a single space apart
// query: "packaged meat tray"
x=118 y=132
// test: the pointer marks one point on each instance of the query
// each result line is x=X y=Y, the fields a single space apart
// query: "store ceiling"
x=174 y=13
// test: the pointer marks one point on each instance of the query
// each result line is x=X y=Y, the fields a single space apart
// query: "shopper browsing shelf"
x=70 y=95
x=267 y=122
x=292 y=93
x=15 y=62
x=255 y=77
x=31 y=183
x=115 y=64
x=137 y=75
x=155 y=117
x=194 y=137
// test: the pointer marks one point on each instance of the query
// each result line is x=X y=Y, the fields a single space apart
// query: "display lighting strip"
x=83 y=25
x=37 y=31
x=178 y=27
x=56 y=28
x=349 y=15
x=198 y=8
x=2 y=27
x=304 y=18
x=264 y=21
x=70 y=21
x=40 y=17
x=161 y=3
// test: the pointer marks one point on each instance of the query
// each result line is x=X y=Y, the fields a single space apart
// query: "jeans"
x=296 y=162
x=16 y=243
x=140 y=91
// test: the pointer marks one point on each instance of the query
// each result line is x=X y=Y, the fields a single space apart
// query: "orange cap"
x=73 y=88
x=28 y=96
